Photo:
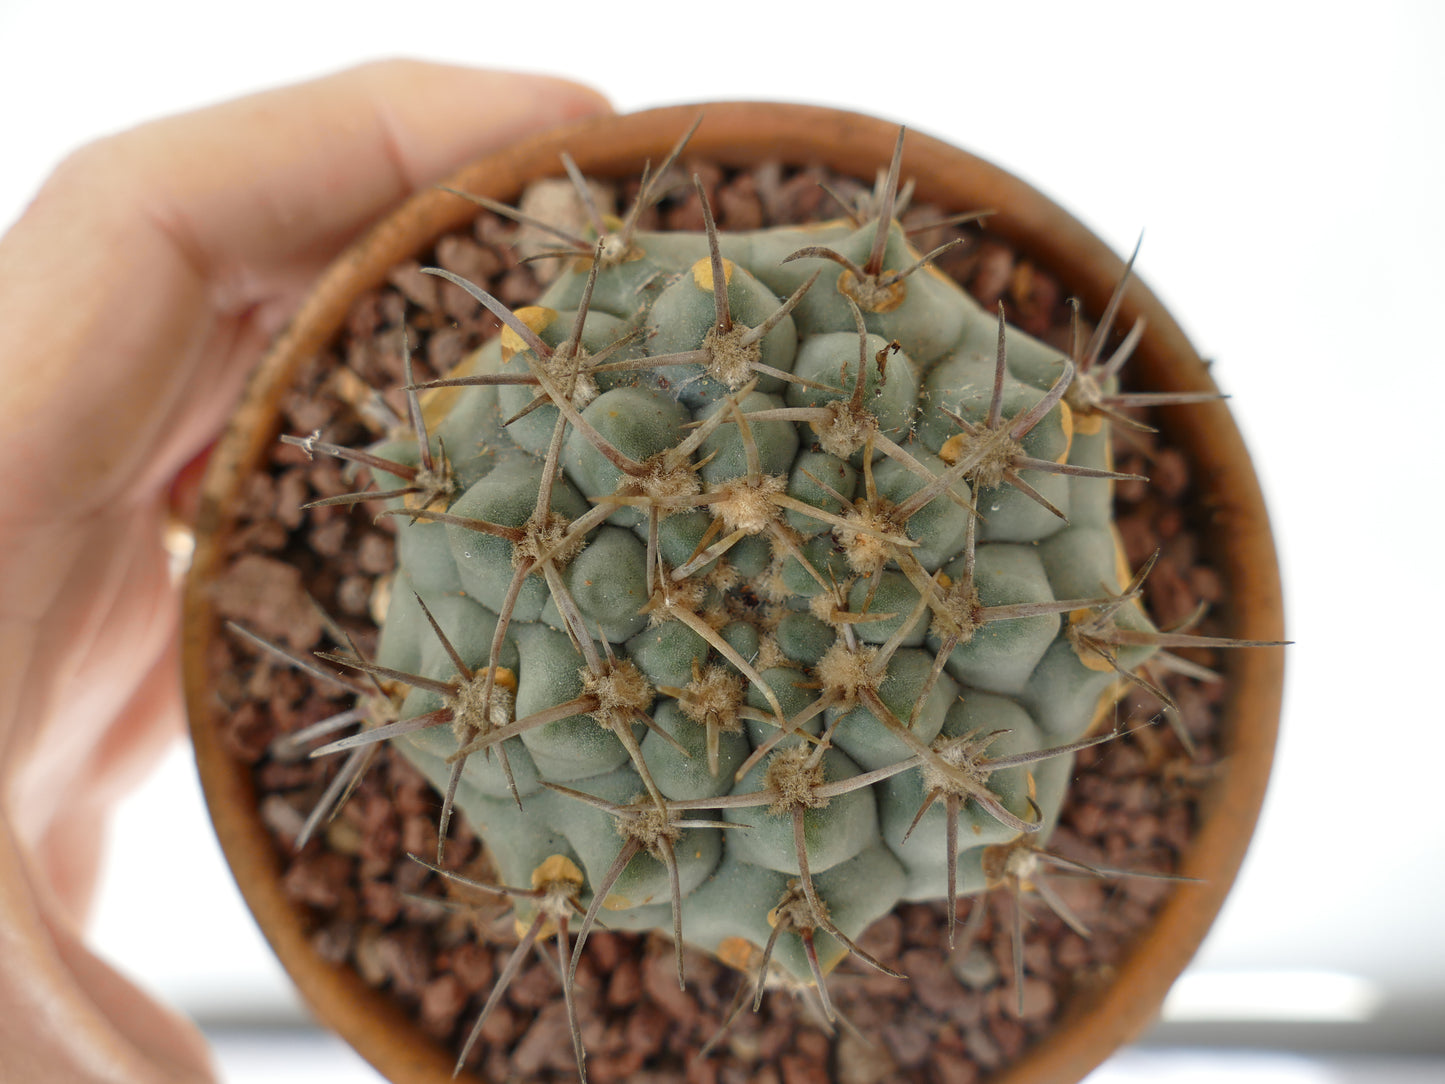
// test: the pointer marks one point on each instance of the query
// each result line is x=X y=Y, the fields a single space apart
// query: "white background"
x=1286 y=162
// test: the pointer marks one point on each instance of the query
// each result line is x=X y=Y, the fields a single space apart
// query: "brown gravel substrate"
x=952 y=1022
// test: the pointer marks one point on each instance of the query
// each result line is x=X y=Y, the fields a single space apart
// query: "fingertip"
x=580 y=100
x=487 y=107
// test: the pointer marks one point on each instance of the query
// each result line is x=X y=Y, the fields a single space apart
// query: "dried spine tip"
x=559 y=880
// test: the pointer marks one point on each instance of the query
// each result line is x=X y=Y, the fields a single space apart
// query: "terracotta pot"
x=741 y=134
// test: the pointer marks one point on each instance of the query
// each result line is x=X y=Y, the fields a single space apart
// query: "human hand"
x=136 y=294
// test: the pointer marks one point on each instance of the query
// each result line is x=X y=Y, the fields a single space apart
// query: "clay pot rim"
x=739 y=133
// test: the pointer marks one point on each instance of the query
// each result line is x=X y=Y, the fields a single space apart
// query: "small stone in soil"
x=548 y=1042
x=976 y=969
x=952 y=1068
x=909 y=1042
x=859 y=1062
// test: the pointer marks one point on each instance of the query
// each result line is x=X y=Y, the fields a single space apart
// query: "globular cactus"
x=749 y=585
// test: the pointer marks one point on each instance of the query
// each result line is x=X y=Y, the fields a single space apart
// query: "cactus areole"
x=749 y=584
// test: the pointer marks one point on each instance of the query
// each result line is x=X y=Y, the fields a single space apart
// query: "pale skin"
x=136 y=293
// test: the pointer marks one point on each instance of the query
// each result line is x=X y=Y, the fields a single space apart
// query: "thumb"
x=152 y=269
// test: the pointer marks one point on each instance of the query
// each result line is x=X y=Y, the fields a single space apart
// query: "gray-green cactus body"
x=779 y=584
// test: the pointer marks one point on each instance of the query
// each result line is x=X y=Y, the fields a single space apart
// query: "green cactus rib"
x=749 y=584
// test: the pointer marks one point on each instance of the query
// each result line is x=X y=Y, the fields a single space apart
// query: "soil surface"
x=437 y=950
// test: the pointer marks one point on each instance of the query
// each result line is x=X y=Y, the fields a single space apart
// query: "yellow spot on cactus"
x=616 y=902
x=1089 y=424
x=536 y=317
x=505 y=679
x=1092 y=660
x=380 y=602
x=556 y=868
x=437 y=403
x=547 y=931
x=1121 y=564
x=952 y=449
x=702 y=274
x=1066 y=422
x=738 y=953
x=869 y=296
x=943 y=579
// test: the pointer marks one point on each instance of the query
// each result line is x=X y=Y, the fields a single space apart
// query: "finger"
x=144 y=280
x=68 y=1015
x=251 y=187
x=88 y=613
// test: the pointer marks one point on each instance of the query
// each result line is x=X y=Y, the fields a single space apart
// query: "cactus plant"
x=749 y=585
